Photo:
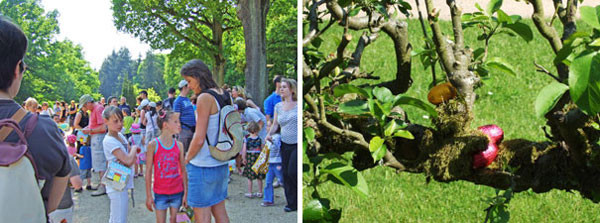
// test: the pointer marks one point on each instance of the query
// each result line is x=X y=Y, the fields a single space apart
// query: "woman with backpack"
x=207 y=176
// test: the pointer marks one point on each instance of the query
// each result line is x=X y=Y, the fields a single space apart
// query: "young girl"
x=166 y=159
x=274 y=170
x=116 y=149
x=71 y=148
x=136 y=140
x=250 y=152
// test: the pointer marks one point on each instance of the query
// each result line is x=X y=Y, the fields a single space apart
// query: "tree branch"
x=542 y=69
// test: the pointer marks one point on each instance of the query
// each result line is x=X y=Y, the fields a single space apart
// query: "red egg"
x=494 y=133
x=486 y=157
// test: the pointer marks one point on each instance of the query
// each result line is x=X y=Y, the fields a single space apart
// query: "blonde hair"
x=292 y=85
x=31 y=102
x=240 y=91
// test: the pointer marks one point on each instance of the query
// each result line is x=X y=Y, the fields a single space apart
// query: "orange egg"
x=441 y=93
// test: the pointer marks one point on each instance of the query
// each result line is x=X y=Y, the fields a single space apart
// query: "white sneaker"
x=101 y=191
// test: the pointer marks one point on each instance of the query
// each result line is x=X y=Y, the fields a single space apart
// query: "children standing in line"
x=117 y=150
x=136 y=140
x=274 y=170
x=166 y=165
x=250 y=152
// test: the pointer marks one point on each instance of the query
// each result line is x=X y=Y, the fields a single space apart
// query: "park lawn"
x=503 y=100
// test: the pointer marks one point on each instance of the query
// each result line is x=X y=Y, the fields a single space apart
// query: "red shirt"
x=167 y=169
x=96 y=119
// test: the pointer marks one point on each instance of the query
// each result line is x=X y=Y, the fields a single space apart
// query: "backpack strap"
x=17 y=117
x=221 y=103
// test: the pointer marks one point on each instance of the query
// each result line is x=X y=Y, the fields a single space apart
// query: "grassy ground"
x=504 y=100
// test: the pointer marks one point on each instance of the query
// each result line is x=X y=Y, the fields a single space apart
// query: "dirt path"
x=240 y=209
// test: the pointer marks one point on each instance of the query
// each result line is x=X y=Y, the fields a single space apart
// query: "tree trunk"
x=219 y=66
x=253 y=14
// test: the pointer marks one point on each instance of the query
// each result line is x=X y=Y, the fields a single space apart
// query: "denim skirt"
x=207 y=186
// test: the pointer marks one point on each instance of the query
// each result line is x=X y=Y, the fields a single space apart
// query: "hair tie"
x=163 y=115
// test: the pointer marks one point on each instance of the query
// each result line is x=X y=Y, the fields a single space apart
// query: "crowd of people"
x=166 y=142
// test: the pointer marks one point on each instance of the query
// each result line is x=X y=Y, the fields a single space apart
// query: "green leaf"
x=591 y=16
x=499 y=64
x=354 y=107
x=316 y=42
x=548 y=97
x=349 y=177
x=393 y=126
x=383 y=94
x=596 y=42
x=584 y=82
x=381 y=9
x=376 y=110
x=503 y=17
x=493 y=6
x=313 y=211
x=405 y=100
x=522 y=29
x=325 y=81
x=478 y=53
x=377 y=148
x=343 y=89
x=404 y=134
x=345 y=3
x=595 y=125
x=309 y=134
x=354 y=11
x=478 y=7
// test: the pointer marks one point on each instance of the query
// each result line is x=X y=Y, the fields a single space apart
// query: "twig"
x=542 y=69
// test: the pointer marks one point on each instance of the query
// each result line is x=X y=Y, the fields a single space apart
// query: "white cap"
x=182 y=83
x=144 y=103
x=152 y=104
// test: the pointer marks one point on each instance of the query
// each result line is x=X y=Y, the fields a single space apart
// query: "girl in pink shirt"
x=165 y=160
x=71 y=139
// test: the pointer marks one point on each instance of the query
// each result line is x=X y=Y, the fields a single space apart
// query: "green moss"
x=451 y=158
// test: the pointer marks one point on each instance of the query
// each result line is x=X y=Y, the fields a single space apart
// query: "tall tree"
x=150 y=73
x=113 y=69
x=180 y=23
x=253 y=14
x=57 y=69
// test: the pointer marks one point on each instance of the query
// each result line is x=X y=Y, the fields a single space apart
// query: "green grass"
x=504 y=100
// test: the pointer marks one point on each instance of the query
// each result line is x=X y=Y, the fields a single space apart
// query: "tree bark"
x=219 y=68
x=253 y=14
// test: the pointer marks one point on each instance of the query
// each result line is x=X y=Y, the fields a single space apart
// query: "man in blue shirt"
x=184 y=107
x=273 y=99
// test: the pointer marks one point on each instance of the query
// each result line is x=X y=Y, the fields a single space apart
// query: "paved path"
x=240 y=209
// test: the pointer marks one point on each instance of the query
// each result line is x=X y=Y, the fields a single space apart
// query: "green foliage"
x=490 y=26
x=497 y=212
x=113 y=71
x=281 y=39
x=505 y=100
x=548 y=97
x=584 y=82
x=183 y=25
x=57 y=69
x=151 y=72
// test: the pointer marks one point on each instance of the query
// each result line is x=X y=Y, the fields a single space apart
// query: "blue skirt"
x=207 y=186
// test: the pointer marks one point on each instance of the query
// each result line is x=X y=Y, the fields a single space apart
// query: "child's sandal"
x=249 y=195
x=258 y=195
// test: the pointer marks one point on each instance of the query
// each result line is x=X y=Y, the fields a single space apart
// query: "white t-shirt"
x=151 y=122
x=110 y=144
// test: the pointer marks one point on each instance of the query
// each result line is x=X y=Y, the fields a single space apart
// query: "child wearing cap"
x=136 y=140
